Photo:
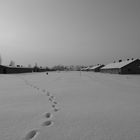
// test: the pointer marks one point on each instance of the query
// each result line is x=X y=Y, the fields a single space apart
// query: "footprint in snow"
x=55 y=110
x=55 y=102
x=43 y=90
x=48 y=93
x=48 y=115
x=47 y=123
x=53 y=106
x=30 y=135
x=50 y=99
x=37 y=88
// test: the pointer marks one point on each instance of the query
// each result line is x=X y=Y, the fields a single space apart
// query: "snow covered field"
x=69 y=106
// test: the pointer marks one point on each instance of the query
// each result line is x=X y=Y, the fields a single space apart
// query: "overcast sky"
x=52 y=32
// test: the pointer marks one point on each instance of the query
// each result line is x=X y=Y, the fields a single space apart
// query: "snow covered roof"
x=94 y=67
x=118 y=64
x=83 y=69
x=87 y=68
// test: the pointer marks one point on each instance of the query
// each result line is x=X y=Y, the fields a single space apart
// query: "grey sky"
x=52 y=32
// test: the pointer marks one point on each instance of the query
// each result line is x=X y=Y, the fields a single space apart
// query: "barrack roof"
x=86 y=68
x=94 y=67
x=118 y=64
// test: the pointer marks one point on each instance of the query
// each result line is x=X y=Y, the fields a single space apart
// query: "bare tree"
x=12 y=63
x=36 y=64
x=0 y=60
x=29 y=66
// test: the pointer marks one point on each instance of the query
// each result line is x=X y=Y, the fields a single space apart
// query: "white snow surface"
x=91 y=106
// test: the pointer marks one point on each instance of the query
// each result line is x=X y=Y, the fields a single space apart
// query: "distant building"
x=18 y=69
x=129 y=66
x=11 y=69
x=42 y=69
x=96 y=68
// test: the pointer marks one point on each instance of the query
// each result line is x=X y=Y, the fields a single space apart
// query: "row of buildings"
x=18 y=69
x=129 y=66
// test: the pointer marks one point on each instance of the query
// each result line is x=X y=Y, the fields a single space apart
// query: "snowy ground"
x=69 y=106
